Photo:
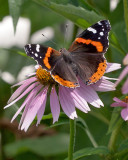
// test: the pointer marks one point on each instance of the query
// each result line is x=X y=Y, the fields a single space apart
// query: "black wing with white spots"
x=97 y=33
x=44 y=56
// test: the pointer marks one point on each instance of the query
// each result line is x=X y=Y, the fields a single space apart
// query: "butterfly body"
x=84 y=59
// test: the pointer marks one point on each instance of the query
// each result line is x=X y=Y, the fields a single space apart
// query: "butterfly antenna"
x=66 y=29
x=49 y=39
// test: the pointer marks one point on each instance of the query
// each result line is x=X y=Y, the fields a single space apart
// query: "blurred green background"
x=30 y=20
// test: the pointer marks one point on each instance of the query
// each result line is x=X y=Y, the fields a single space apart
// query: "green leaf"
x=115 y=43
x=116 y=119
x=124 y=145
x=90 y=151
x=3 y=9
x=102 y=6
x=78 y=15
x=123 y=149
x=13 y=51
x=44 y=146
x=117 y=15
x=14 y=8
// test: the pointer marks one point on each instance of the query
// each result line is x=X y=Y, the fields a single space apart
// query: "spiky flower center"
x=44 y=77
x=125 y=99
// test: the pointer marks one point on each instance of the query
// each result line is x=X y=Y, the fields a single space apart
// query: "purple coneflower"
x=122 y=75
x=41 y=83
x=122 y=103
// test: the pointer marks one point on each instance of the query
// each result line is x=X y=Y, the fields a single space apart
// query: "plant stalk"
x=72 y=139
x=126 y=15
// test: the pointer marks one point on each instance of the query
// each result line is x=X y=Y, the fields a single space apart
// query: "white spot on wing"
x=99 y=38
x=92 y=30
x=37 y=47
x=36 y=55
x=99 y=23
x=101 y=33
x=29 y=45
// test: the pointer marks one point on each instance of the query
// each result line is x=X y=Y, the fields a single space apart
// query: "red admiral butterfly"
x=84 y=59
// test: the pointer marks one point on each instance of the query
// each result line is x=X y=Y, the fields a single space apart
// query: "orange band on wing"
x=100 y=72
x=65 y=82
x=98 y=45
x=47 y=55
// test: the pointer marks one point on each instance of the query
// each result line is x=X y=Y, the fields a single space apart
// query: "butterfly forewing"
x=45 y=56
x=94 y=39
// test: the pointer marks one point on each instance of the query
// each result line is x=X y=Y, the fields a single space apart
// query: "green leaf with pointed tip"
x=80 y=16
x=90 y=151
x=14 y=51
x=14 y=9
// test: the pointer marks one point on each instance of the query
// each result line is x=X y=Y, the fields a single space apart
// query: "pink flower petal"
x=115 y=79
x=124 y=114
x=21 y=89
x=67 y=103
x=122 y=75
x=22 y=82
x=23 y=94
x=24 y=114
x=54 y=104
x=116 y=99
x=103 y=85
x=33 y=109
x=40 y=112
x=89 y=94
x=125 y=87
x=125 y=60
x=112 y=67
x=119 y=101
x=27 y=100
x=31 y=74
x=80 y=103
x=118 y=104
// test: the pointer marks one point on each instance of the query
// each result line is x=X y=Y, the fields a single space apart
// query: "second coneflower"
x=36 y=88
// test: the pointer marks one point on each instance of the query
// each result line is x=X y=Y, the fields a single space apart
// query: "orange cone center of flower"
x=125 y=99
x=44 y=77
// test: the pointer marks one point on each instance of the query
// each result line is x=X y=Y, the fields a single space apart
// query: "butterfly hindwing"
x=90 y=67
x=45 y=56
x=64 y=75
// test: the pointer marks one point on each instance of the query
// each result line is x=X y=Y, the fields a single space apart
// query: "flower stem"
x=126 y=15
x=72 y=139
x=113 y=138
